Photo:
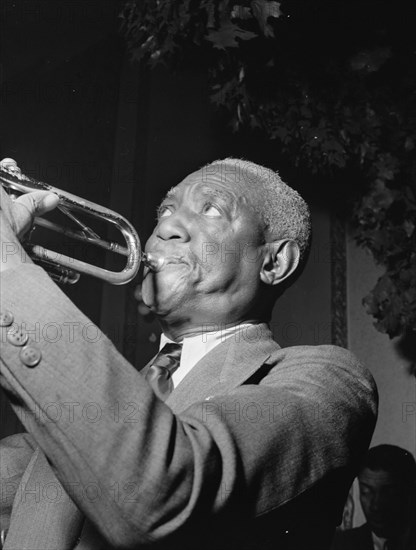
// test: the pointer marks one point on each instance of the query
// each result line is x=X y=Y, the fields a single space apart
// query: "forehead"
x=377 y=478
x=202 y=183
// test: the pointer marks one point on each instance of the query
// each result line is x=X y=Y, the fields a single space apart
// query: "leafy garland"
x=334 y=84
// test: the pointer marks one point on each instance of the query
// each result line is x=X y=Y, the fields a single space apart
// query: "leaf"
x=226 y=36
x=370 y=61
x=262 y=10
x=241 y=12
x=408 y=227
x=380 y=197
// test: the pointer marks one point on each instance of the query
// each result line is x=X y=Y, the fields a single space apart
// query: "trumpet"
x=62 y=268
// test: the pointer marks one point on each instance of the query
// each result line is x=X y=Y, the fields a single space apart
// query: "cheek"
x=364 y=501
x=228 y=256
x=367 y=504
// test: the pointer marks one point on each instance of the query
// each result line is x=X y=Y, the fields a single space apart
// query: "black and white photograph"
x=207 y=275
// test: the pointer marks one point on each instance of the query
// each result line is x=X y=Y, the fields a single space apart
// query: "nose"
x=373 y=505
x=173 y=226
x=377 y=504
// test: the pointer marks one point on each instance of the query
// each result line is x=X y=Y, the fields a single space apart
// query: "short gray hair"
x=284 y=212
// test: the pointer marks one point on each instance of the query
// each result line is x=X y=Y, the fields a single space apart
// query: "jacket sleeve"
x=138 y=471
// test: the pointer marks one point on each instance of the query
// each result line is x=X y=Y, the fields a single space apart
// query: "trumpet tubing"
x=63 y=268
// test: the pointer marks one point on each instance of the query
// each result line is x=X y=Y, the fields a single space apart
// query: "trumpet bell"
x=61 y=267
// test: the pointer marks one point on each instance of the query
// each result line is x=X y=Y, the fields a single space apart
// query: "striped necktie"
x=163 y=366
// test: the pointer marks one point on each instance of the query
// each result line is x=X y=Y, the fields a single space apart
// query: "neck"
x=178 y=326
x=177 y=334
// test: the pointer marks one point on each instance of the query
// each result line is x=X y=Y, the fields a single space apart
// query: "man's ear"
x=280 y=261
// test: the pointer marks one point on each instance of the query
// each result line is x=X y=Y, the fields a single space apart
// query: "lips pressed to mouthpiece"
x=153 y=261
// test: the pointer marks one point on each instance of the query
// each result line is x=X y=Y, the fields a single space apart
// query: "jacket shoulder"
x=328 y=360
x=324 y=352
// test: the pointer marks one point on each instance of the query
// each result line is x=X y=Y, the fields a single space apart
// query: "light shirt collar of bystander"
x=379 y=543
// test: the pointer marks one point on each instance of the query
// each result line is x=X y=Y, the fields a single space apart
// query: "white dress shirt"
x=197 y=346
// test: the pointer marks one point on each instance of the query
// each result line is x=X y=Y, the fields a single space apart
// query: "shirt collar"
x=379 y=543
x=197 y=346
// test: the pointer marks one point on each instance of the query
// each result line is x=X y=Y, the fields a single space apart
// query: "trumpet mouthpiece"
x=152 y=261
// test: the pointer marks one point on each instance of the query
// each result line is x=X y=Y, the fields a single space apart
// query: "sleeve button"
x=17 y=337
x=6 y=318
x=30 y=356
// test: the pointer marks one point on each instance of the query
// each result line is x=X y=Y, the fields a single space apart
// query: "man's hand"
x=16 y=218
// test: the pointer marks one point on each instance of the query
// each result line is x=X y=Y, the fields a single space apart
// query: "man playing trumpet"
x=231 y=441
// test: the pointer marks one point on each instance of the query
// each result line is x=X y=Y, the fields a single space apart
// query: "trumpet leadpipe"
x=82 y=237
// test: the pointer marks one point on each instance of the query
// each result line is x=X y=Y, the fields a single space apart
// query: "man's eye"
x=163 y=212
x=211 y=210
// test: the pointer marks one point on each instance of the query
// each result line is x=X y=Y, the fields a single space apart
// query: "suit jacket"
x=358 y=538
x=256 y=445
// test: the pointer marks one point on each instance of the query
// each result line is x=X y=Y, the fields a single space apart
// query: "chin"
x=162 y=296
x=381 y=530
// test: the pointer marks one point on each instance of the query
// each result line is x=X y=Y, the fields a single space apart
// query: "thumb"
x=27 y=206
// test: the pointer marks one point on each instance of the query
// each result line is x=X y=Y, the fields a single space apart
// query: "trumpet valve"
x=10 y=165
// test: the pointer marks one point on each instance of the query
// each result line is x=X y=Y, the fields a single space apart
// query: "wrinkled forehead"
x=221 y=181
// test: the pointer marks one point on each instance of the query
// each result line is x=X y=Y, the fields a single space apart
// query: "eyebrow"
x=216 y=192
x=170 y=194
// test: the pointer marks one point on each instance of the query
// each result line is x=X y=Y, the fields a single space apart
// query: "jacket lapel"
x=227 y=366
